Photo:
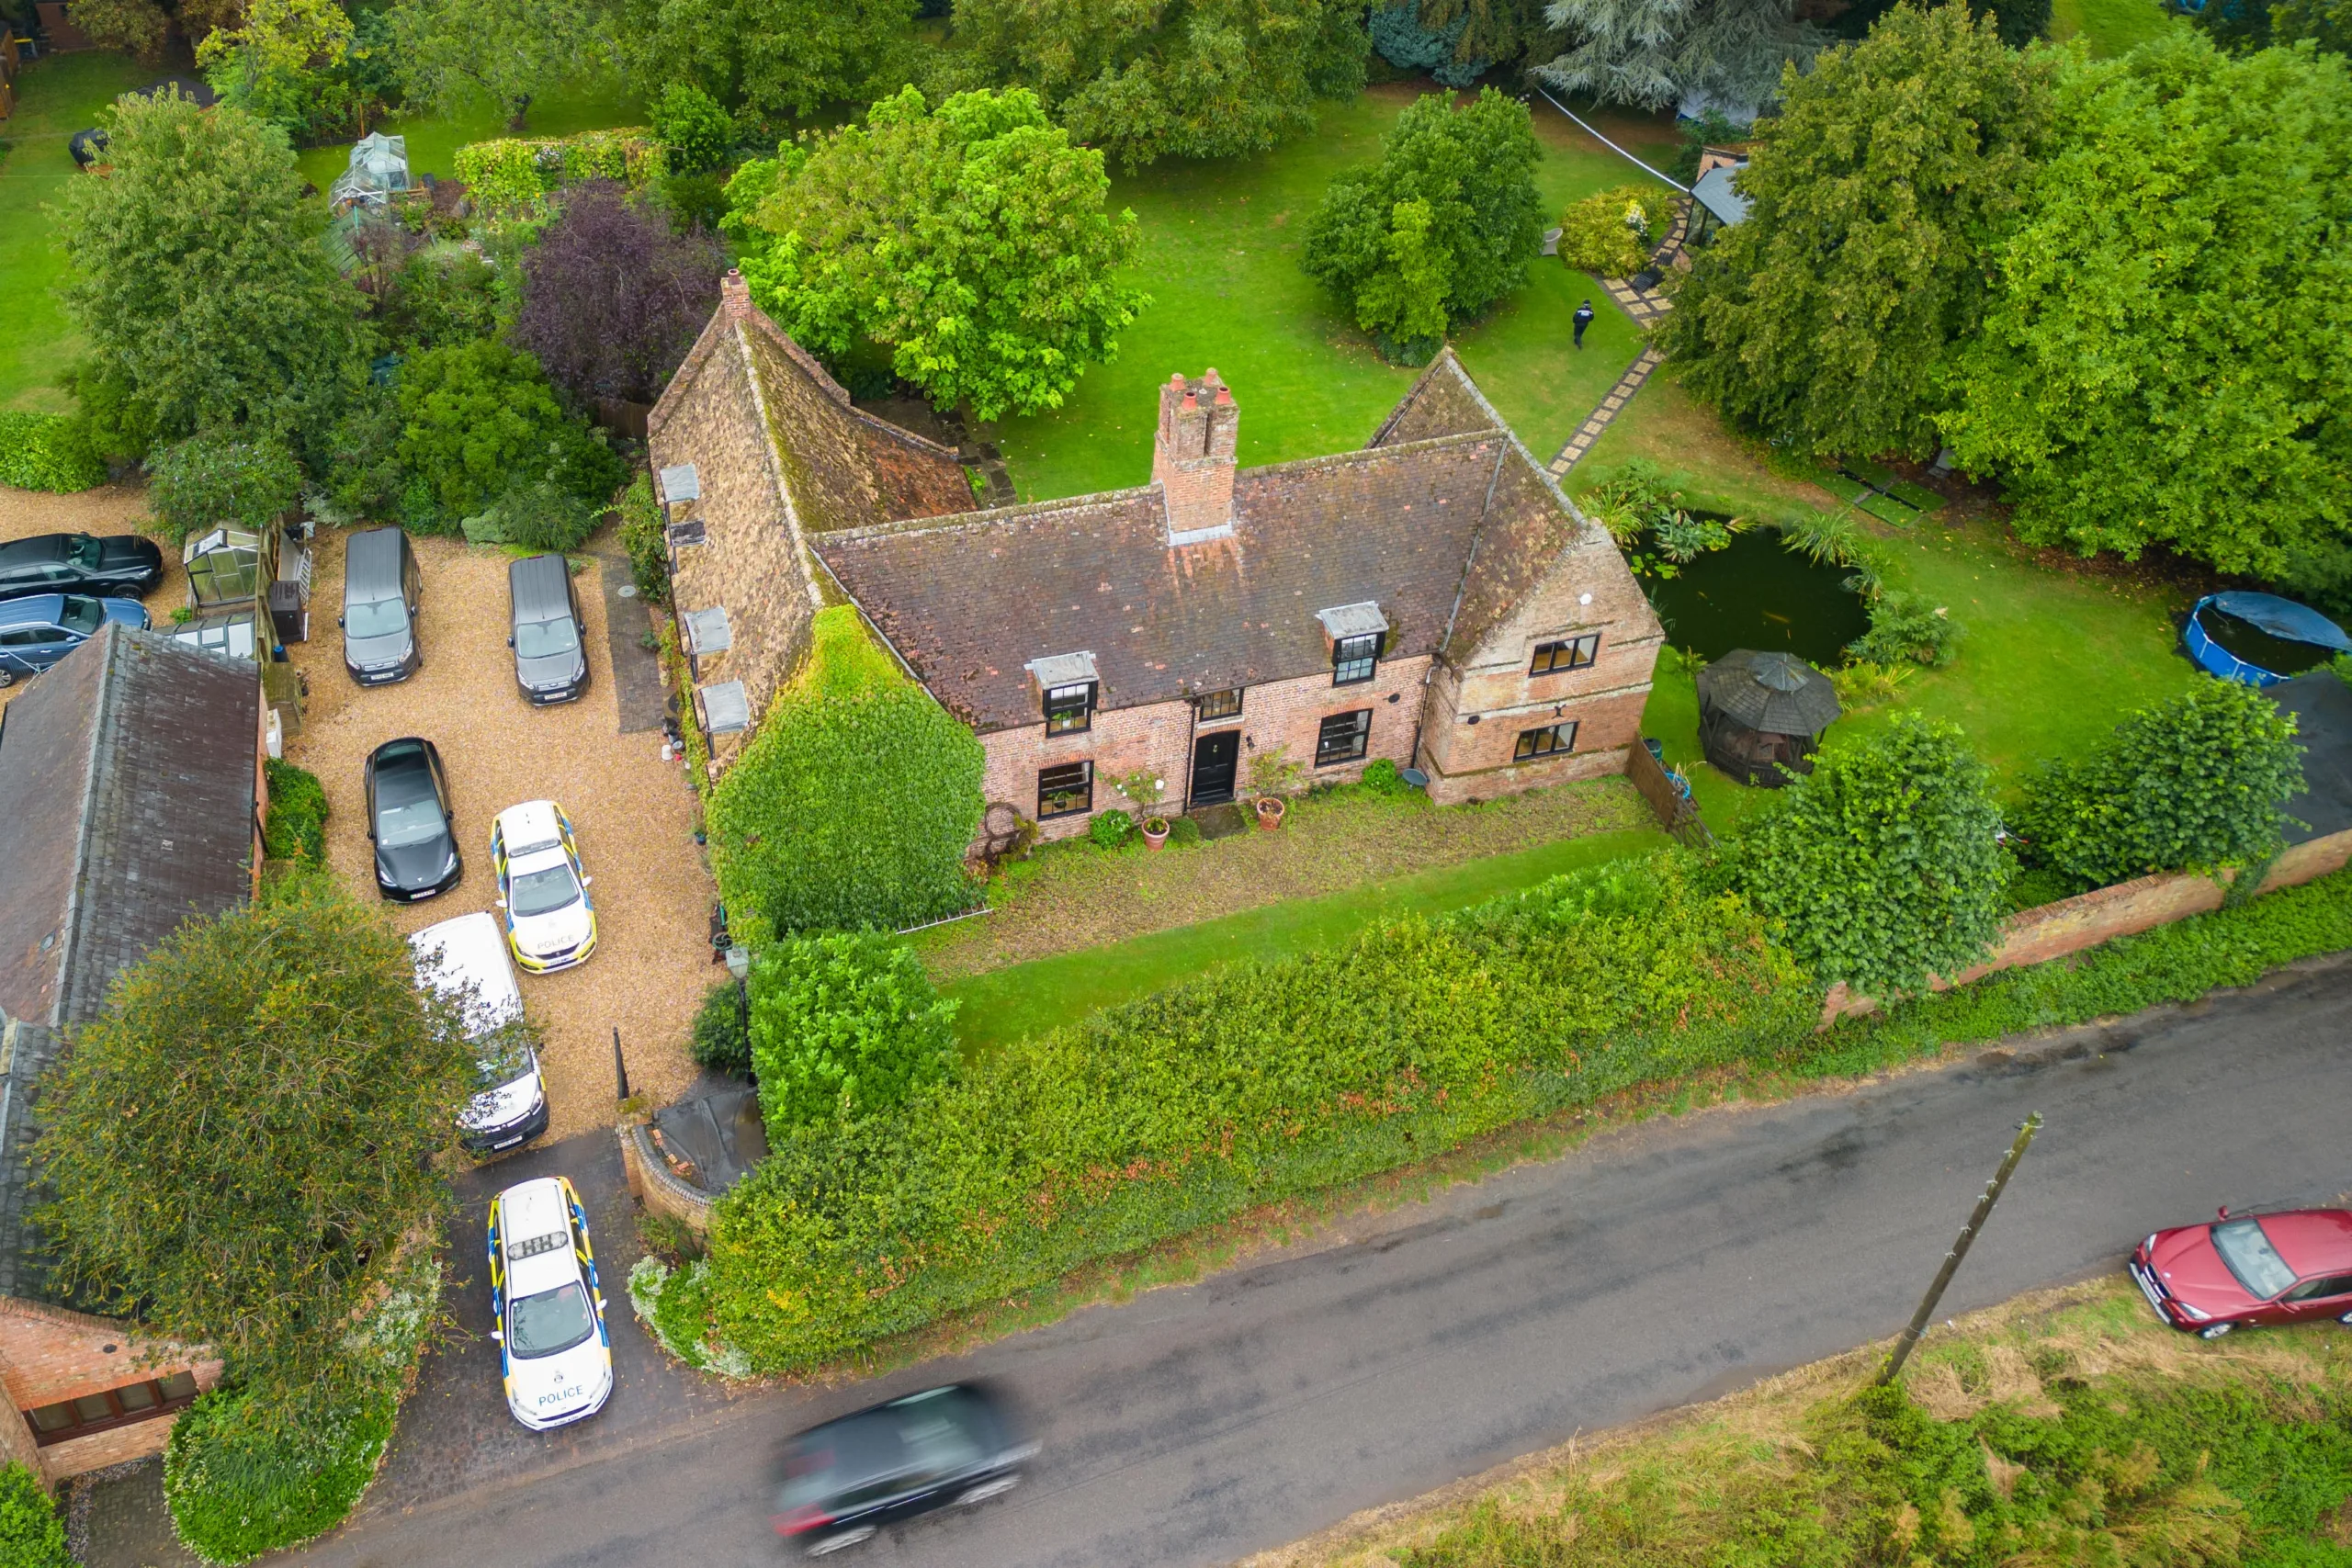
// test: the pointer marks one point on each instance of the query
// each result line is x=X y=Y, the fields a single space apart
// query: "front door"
x=1215 y=758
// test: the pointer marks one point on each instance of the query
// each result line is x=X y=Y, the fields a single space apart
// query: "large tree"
x=245 y=1138
x=2165 y=361
x=196 y=275
x=1833 y=314
x=974 y=243
x=457 y=53
x=1445 y=225
x=1147 y=79
x=1727 y=54
x=612 y=298
x=775 y=59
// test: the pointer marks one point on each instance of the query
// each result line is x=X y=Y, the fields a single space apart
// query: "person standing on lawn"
x=1584 y=319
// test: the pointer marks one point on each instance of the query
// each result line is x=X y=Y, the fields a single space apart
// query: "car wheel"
x=2214 y=1330
x=8 y=679
x=833 y=1543
x=972 y=1497
x=2346 y=1320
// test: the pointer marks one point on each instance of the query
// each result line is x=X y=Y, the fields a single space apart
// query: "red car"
x=2294 y=1267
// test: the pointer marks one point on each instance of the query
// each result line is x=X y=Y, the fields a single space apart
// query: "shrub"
x=1682 y=539
x=2197 y=781
x=31 y=1534
x=1608 y=233
x=643 y=538
x=48 y=451
x=1184 y=831
x=1630 y=500
x=720 y=1043
x=854 y=804
x=512 y=178
x=674 y=1306
x=534 y=516
x=843 y=1025
x=445 y=294
x=1254 y=1084
x=297 y=814
x=612 y=298
x=245 y=477
x=239 y=1484
x=1111 y=829
x=1881 y=868
x=1905 y=627
x=479 y=419
x=693 y=130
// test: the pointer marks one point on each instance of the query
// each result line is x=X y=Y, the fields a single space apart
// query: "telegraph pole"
x=1992 y=1195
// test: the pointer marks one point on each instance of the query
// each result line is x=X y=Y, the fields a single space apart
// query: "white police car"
x=551 y=924
x=550 y=1333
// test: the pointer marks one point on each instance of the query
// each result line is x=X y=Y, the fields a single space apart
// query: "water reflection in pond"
x=1755 y=593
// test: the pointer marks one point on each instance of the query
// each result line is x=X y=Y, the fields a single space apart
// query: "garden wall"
x=653 y=1184
x=2070 y=925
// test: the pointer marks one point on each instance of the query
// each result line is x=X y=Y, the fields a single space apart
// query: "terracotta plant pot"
x=1270 y=812
x=1155 y=832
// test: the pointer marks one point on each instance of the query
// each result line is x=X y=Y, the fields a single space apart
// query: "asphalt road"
x=1655 y=1265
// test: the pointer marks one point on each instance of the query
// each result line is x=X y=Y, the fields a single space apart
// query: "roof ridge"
x=77 y=905
x=978 y=515
x=1444 y=358
x=1364 y=454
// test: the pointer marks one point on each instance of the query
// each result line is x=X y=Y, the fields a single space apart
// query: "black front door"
x=1214 y=756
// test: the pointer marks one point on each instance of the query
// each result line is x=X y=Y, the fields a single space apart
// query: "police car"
x=551 y=924
x=551 y=1340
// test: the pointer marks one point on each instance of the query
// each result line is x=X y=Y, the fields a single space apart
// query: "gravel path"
x=1073 y=895
x=634 y=813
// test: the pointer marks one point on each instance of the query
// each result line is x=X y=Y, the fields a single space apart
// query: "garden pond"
x=1757 y=592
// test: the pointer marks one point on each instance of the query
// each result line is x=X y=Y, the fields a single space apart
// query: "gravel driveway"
x=109 y=509
x=634 y=812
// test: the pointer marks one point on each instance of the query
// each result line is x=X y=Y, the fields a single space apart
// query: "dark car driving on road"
x=2246 y=1270
x=410 y=820
x=544 y=630
x=381 y=591
x=849 y=1478
x=121 y=566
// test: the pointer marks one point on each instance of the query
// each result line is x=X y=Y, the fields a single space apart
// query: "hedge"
x=512 y=176
x=31 y=1534
x=297 y=813
x=48 y=451
x=1258 y=1083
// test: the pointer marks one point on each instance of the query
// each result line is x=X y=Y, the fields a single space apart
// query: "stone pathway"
x=1644 y=306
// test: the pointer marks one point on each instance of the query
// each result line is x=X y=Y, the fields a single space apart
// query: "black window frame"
x=1206 y=708
x=1352 y=663
x=1564 y=654
x=163 y=1400
x=1057 y=717
x=1523 y=752
x=1360 y=733
x=1083 y=785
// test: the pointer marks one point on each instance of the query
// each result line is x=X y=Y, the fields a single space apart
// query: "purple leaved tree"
x=612 y=298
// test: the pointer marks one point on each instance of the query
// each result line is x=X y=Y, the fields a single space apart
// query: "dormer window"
x=1356 y=632
x=1066 y=689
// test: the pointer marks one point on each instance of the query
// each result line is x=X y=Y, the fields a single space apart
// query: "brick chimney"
x=1192 y=456
x=735 y=295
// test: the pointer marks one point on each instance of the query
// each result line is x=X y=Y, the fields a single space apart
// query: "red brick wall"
x=48 y=1355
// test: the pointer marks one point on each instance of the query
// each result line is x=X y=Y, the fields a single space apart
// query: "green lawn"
x=56 y=98
x=1023 y=998
x=1220 y=259
x=2112 y=26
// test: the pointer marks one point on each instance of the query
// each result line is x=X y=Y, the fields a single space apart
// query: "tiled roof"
x=1442 y=523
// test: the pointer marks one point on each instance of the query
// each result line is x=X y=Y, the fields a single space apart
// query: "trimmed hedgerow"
x=1255 y=1084
x=843 y=1024
x=297 y=814
x=48 y=451
x=719 y=1041
x=240 y=1483
x=854 y=803
x=31 y=1534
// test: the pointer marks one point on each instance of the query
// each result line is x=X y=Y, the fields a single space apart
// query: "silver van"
x=544 y=630
x=382 y=590
x=465 y=959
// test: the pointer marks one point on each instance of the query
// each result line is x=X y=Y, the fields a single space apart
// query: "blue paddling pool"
x=2259 y=638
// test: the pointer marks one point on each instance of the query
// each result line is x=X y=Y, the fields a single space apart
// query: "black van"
x=544 y=630
x=382 y=589
x=847 y=1479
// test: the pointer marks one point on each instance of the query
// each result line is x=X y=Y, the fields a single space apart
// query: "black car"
x=410 y=820
x=849 y=1478
x=381 y=591
x=121 y=567
x=550 y=658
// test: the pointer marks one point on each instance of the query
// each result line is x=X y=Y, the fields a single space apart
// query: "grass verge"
x=2112 y=26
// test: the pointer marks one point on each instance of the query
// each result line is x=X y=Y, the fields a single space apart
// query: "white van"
x=467 y=958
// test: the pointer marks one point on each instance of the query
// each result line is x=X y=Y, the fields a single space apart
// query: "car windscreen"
x=383 y=617
x=551 y=1322
x=545 y=639
x=409 y=823
x=502 y=1056
x=2251 y=1258
x=543 y=892
x=82 y=615
x=828 y=1464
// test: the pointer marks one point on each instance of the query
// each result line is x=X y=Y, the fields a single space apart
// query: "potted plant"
x=1146 y=789
x=1271 y=776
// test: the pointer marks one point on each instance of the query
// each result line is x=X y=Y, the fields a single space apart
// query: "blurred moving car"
x=410 y=821
x=2248 y=1270
x=845 y=1479
x=122 y=565
x=381 y=591
x=550 y=923
x=544 y=630
x=552 y=1345
x=464 y=960
x=36 y=632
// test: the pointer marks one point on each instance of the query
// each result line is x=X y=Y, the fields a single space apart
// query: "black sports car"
x=123 y=567
x=409 y=819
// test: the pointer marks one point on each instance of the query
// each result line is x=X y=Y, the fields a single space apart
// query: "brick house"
x=134 y=776
x=1432 y=598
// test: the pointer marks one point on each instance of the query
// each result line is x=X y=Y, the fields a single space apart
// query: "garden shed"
x=1759 y=713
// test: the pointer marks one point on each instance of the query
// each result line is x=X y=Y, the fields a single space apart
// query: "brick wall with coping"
x=655 y=1185
x=53 y=1355
x=2070 y=925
